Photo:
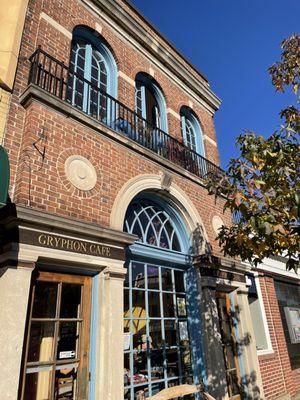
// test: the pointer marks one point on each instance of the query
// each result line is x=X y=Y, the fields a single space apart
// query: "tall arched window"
x=150 y=103
x=92 y=60
x=157 y=328
x=191 y=131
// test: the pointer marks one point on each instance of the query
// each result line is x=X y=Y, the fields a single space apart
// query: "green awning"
x=4 y=176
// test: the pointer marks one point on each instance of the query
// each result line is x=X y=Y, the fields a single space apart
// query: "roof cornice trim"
x=159 y=50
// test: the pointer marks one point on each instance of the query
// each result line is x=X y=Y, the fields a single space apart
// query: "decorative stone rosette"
x=79 y=173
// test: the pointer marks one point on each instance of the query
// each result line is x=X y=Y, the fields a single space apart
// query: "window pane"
x=70 y=301
x=155 y=338
x=186 y=361
x=153 y=277
x=166 y=279
x=67 y=340
x=157 y=364
x=140 y=371
x=138 y=304
x=37 y=385
x=45 y=297
x=179 y=281
x=139 y=334
x=181 y=306
x=66 y=382
x=172 y=363
x=170 y=333
x=154 y=304
x=126 y=304
x=138 y=275
x=41 y=341
x=168 y=305
x=141 y=392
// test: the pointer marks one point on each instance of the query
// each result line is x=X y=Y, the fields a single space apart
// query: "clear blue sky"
x=232 y=42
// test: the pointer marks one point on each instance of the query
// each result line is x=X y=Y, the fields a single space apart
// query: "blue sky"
x=232 y=42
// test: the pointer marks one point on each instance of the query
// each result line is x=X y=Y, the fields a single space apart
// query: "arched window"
x=91 y=60
x=149 y=101
x=191 y=131
x=157 y=317
x=153 y=225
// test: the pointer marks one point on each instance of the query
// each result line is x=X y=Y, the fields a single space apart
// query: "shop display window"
x=156 y=334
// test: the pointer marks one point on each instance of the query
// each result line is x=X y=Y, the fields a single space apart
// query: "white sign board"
x=292 y=315
x=66 y=354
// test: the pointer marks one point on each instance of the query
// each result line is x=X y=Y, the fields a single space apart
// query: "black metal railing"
x=59 y=80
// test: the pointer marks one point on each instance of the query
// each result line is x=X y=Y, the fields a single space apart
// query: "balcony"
x=60 y=81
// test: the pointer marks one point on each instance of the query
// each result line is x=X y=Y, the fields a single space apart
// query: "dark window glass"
x=179 y=281
x=154 y=304
x=70 y=301
x=45 y=298
x=41 y=341
x=168 y=304
x=67 y=340
x=166 y=279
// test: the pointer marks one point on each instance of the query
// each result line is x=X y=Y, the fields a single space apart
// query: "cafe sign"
x=73 y=245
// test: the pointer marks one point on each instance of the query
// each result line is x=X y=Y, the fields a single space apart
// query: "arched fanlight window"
x=159 y=290
x=191 y=131
x=92 y=60
x=153 y=225
x=149 y=101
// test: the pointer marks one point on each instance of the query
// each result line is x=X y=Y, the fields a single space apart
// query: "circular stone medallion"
x=217 y=223
x=80 y=172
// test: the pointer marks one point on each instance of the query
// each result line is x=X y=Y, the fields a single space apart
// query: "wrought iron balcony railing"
x=59 y=80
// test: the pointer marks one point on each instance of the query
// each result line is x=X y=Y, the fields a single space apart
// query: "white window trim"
x=269 y=349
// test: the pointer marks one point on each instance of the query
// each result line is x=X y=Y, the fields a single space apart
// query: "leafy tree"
x=262 y=186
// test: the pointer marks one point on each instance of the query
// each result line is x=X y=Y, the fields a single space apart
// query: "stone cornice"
x=14 y=216
x=176 y=63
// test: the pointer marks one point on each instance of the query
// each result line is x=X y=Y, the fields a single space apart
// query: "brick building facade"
x=278 y=357
x=110 y=134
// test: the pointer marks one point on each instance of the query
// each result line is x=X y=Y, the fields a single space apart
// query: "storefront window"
x=157 y=351
x=156 y=338
x=288 y=296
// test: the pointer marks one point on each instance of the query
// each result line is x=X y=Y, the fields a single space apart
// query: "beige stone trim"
x=12 y=15
x=126 y=78
x=4 y=107
x=151 y=72
x=211 y=141
x=56 y=25
x=176 y=196
x=174 y=113
x=250 y=357
x=98 y=28
x=109 y=342
x=14 y=294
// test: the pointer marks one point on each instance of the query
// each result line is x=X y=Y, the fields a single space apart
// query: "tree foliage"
x=262 y=186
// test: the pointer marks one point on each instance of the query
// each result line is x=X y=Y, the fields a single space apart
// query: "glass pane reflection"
x=70 y=301
x=41 y=341
x=37 y=385
x=138 y=275
x=67 y=340
x=45 y=298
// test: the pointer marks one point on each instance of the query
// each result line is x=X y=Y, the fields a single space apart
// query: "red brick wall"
x=275 y=368
x=43 y=185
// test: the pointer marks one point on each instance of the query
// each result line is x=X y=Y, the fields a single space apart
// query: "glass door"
x=229 y=346
x=57 y=342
